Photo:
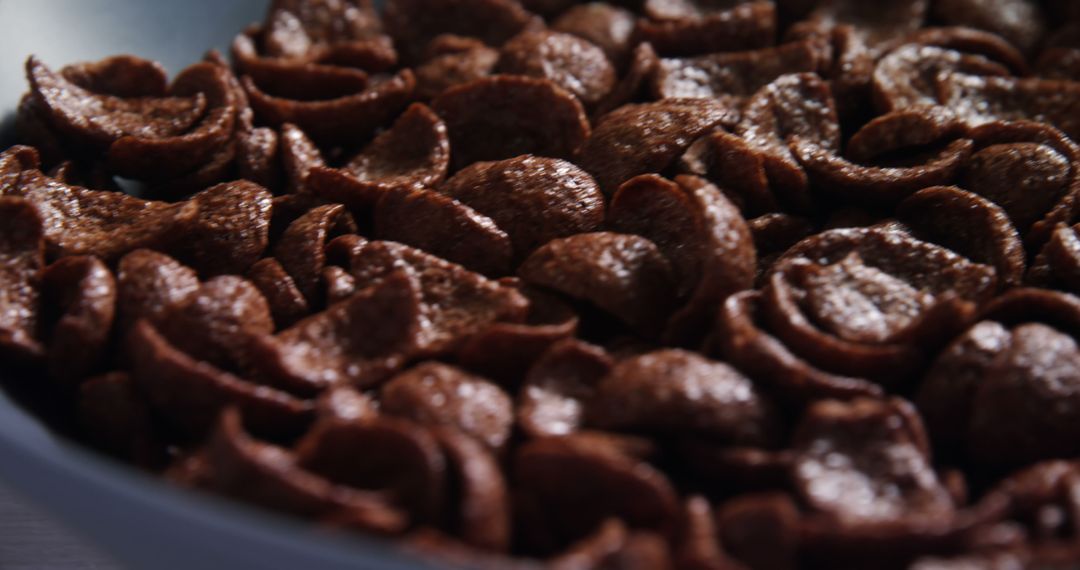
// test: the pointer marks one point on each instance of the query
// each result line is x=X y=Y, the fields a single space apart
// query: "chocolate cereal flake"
x=80 y=293
x=625 y=275
x=612 y=285
x=23 y=251
x=484 y=124
x=436 y=394
x=533 y=199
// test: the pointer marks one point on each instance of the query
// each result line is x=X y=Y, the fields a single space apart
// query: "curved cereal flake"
x=980 y=100
x=798 y=105
x=80 y=221
x=613 y=546
x=901 y=131
x=299 y=156
x=455 y=302
x=414 y=151
x=190 y=395
x=647 y=137
x=294 y=77
x=568 y=61
x=773 y=235
x=909 y=295
x=574 y=484
x=761 y=530
x=359 y=342
x=1031 y=305
x=324 y=21
x=270 y=476
x=298 y=34
x=436 y=394
x=741 y=338
x=880 y=184
x=22 y=248
x=594 y=550
x=148 y=283
x=446 y=69
x=908 y=76
x=341 y=117
x=217 y=170
x=33 y=129
x=256 y=157
x=971 y=41
x=1030 y=170
x=772 y=218
x=336 y=186
x=606 y=26
x=735 y=166
x=1042 y=487
x=1032 y=382
x=875 y=24
x=120 y=75
x=287 y=304
x=301 y=248
x=679 y=392
x=79 y=298
x=732 y=77
x=969 y=225
x=1058 y=263
x=847 y=61
x=161 y=158
x=749 y=25
x=632 y=83
x=231 y=230
x=533 y=199
x=1021 y=22
x=396 y=457
x=228 y=312
x=704 y=236
x=505 y=351
x=947 y=392
x=338 y=283
x=885 y=463
x=375 y=54
x=13 y=162
x=481 y=516
x=625 y=275
x=699 y=545
x=99 y=119
x=443 y=227
x=346 y=404
x=557 y=387
x=484 y=123
x=414 y=23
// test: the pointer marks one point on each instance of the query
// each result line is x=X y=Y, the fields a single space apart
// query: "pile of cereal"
x=690 y=284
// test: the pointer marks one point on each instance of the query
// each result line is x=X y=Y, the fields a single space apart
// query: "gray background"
x=30 y=540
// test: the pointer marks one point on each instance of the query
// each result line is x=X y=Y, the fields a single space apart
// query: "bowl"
x=141 y=521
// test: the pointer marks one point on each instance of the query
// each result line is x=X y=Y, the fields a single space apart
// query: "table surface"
x=31 y=540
